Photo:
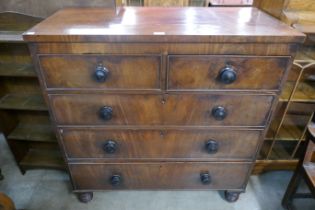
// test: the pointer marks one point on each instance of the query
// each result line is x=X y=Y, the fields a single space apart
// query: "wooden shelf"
x=33 y=132
x=305 y=92
x=36 y=158
x=262 y=166
x=287 y=133
x=281 y=151
x=291 y=129
x=17 y=70
x=32 y=102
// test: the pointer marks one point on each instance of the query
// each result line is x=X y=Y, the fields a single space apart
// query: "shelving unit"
x=23 y=113
x=281 y=148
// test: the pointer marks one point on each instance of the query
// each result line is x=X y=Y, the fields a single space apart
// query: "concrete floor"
x=51 y=190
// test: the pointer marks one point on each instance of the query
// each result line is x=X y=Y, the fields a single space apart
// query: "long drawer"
x=217 y=72
x=173 y=175
x=177 y=109
x=156 y=144
x=101 y=71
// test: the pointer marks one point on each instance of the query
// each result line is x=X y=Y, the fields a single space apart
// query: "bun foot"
x=85 y=197
x=231 y=196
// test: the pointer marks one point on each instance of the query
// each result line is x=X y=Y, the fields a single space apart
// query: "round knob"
x=205 y=178
x=101 y=73
x=115 y=180
x=212 y=146
x=110 y=147
x=227 y=75
x=219 y=113
x=106 y=113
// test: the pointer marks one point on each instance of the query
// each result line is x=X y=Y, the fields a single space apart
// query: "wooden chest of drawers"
x=173 y=101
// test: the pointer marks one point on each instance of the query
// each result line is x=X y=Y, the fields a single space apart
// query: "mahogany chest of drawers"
x=161 y=98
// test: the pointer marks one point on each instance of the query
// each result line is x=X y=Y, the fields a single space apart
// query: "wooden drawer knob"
x=219 y=113
x=106 y=113
x=110 y=147
x=101 y=73
x=212 y=146
x=205 y=178
x=115 y=180
x=227 y=75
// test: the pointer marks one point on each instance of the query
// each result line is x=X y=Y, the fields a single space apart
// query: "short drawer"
x=193 y=110
x=216 y=72
x=101 y=71
x=159 y=176
x=161 y=144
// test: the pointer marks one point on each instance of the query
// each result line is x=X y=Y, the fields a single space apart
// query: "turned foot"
x=231 y=196
x=85 y=197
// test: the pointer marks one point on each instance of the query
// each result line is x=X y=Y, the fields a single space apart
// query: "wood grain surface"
x=161 y=144
x=141 y=24
x=175 y=109
x=174 y=175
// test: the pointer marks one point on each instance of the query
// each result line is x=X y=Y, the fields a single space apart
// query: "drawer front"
x=198 y=110
x=156 y=144
x=159 y=176
x=101 y=71
x=226 y=72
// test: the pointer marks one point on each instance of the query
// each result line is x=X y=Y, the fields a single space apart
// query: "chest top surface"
x=154 y=24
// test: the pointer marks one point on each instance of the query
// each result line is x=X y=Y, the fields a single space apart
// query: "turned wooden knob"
x=115 y=180
x=227 y=75
x=110 y=146
x=212 y=146
x=101 y=73
x=219 y=113
x=106 y=113
x=205 y=178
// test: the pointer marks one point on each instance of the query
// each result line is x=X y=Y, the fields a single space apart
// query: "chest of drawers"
x=179 y=100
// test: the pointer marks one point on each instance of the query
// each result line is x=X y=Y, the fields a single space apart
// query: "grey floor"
x=51 y=190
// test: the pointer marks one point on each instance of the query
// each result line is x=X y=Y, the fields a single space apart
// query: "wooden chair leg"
x=6 y=203
x=292 y=188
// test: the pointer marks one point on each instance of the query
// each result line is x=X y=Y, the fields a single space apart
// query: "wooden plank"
x=262 y=166
x=33 y=132
x=33 y=102
x=291 y=129
x=176 y=29
x=305 y=92
x=11 y=36
x=165 y=3
x=36 y=158
x=287 y=133
x=17 y=70
x=281 y=150
x=301 y=5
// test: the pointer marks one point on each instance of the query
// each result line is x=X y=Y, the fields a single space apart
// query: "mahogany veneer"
x=174 y=101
